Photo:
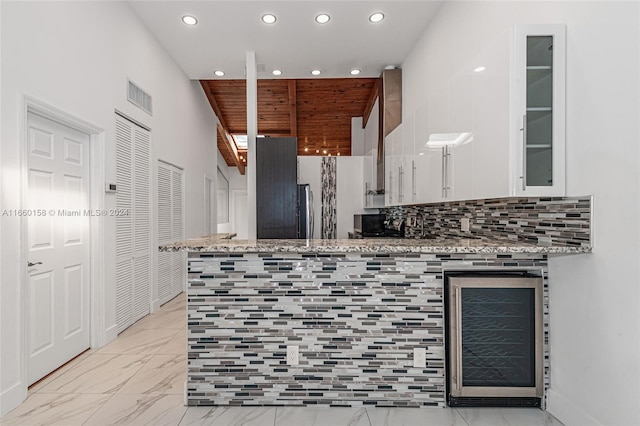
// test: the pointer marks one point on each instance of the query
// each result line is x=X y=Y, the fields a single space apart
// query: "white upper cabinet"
x=428 y=160
x=371 y=198
x=460 y=155
x=496 y=128
x=393 y=167
x=538 y=110
x=407 y=162
x=491 y=120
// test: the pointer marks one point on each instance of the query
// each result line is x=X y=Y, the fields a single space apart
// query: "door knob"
x=34 y=264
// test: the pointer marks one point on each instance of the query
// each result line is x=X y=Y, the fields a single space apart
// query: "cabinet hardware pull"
x=524 y=152
x=413 y=179
x=30 y=264
x=444 y=172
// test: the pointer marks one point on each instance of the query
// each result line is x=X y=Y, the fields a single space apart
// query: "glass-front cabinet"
x=538 y=114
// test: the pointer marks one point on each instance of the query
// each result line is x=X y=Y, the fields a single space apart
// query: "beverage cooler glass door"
x=495 y=332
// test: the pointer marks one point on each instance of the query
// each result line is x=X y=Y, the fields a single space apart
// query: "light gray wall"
x=77 y=56
x=594 y=298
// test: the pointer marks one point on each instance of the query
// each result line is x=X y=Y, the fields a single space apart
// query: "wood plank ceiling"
x=316 y=111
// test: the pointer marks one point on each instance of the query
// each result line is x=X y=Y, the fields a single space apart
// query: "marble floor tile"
x=139 y=410
x=55 y=409
x=414 y=417
x=163 y=374
x=507 y=417
x=174 y=320
x=175 y=304
x=229 y=416
x=139 y=341
x=97 y=374
x=60 y=371
x=177 y=344
x=318 y=416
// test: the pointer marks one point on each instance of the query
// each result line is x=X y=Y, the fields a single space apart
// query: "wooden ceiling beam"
x=213 y=103
x=370 y=102
x=231 y=146
x=293 y=108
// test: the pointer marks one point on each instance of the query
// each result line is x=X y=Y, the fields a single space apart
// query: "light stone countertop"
x=216 y=244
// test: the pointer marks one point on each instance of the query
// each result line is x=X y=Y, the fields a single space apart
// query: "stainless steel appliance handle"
x=524 y=152
x=458 y=370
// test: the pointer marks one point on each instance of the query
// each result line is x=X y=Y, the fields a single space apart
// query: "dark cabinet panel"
x=276 y=187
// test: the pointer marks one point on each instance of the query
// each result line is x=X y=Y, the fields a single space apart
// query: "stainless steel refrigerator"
x=305 y=212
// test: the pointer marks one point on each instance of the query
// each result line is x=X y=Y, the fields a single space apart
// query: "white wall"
x=594 y=298
x=77 y=56
x=237 y=183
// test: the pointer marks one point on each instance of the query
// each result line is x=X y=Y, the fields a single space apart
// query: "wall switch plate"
x=465 y=224
x=419 y=357
x=292 y=355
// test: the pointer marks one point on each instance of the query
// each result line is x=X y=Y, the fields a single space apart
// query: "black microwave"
x=369 y=225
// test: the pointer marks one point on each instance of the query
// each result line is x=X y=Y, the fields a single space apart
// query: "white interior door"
x=58 y=275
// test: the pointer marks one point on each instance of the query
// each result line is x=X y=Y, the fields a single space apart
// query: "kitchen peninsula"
x=331 y=322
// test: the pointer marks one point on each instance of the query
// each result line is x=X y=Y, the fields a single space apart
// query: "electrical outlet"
x=292 y=355
x=419 y=357
x=465 y=224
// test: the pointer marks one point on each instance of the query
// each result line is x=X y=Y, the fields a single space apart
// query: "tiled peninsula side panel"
x=356 y=319
x=561 y=221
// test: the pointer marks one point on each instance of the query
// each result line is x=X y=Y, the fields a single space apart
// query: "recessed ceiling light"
x=480 y=69
x=276 y=72
x=376 y=17
x=316 y=72
x=323 y=18
x=189 y=20
x=354 y=71
x=219 y=73
x=269 y=18
x=306 y=149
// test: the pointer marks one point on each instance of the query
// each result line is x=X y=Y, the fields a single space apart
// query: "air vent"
x=139 y=98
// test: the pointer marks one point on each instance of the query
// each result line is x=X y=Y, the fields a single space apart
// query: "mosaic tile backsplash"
x=543 y=221
x=356 y=319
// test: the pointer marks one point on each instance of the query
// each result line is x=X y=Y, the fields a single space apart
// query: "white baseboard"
x=111 y=333
x=11 y=398
x=567 y=411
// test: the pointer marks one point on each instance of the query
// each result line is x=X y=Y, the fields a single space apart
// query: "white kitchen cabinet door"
x=428 y=161
x=407 y=161
x=491 y=120
x=439 y=124
x=538 y=113
x=392 y=167
x=460 y=161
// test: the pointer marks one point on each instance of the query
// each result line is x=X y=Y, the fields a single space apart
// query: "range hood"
x=390 y=110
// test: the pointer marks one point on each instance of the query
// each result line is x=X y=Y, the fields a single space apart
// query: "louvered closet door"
x=171 y=265
x=133 y=230
x=179 y=260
